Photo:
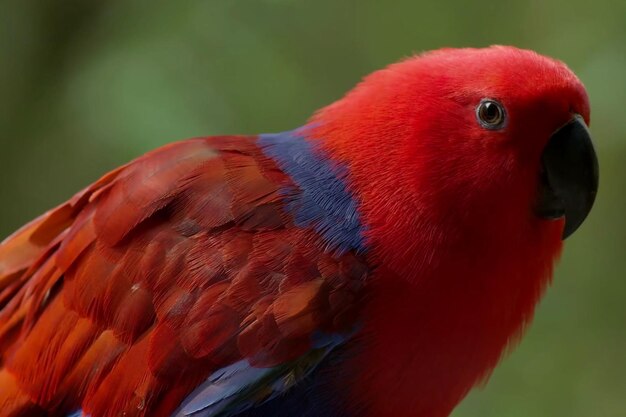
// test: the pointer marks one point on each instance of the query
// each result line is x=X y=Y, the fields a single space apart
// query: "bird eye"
x=490 y=114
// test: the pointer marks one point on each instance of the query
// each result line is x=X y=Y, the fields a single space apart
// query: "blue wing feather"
x=240 y=386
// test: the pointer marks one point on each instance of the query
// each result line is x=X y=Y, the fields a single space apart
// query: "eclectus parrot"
x=377 y=261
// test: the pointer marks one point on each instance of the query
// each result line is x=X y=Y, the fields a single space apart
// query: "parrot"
x=379 y=260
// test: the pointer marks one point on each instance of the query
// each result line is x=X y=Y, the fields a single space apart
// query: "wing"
x=179 y=270
x=240 y=386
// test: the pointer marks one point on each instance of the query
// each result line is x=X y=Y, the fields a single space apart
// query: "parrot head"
x=470 y=167
x=487 y=145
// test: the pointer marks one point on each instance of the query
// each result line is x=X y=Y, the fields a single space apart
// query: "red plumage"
x=208 y=252
x=450 y=215
x=178 y=264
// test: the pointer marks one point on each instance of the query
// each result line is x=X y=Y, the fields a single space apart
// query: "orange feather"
x=125 y=298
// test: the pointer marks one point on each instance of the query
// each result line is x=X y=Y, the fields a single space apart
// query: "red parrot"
x=377 y=261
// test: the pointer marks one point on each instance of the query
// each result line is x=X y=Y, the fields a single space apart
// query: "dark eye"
x=490 y=114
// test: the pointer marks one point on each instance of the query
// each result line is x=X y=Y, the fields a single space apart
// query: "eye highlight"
x=490 y=114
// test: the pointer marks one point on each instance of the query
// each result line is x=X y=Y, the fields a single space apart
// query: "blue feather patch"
x=322 y=199
x=240 y=386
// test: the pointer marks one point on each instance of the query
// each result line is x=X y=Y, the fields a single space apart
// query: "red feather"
x=122 y=300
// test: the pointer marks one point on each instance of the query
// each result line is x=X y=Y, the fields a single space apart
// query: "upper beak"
x=570 y=176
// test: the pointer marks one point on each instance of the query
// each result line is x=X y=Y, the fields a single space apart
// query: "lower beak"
x=569 y=181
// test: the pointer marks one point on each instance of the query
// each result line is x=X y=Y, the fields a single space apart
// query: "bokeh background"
x=88 y=85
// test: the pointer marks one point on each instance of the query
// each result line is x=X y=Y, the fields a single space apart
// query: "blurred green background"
x=88 y=85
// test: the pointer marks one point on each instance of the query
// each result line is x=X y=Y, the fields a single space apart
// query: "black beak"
x=569 y=181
